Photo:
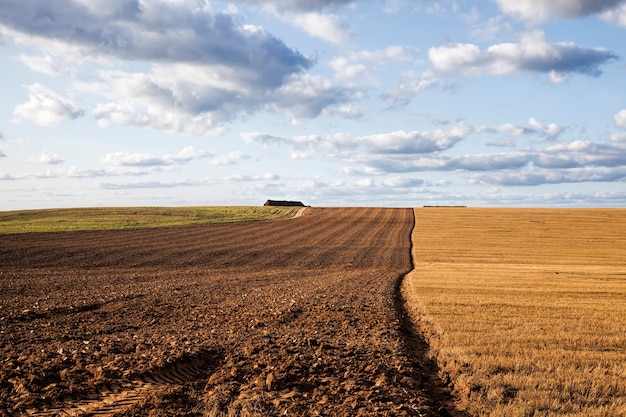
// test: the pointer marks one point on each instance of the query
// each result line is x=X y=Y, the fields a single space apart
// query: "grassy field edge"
x=115 y=218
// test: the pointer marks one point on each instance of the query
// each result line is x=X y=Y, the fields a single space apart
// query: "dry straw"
x=525 y=309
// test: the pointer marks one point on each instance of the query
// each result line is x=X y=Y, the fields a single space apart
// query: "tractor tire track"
x=117 y=399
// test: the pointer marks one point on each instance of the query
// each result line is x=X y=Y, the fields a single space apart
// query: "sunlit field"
x=524 y=309
x=106 y=218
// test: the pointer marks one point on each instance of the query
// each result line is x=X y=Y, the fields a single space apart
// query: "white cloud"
x=413 y=84
x=230 y=158
x=306 y=15
x=550 y=130
x=45 y=107
x=46 y=64
x=570 y=162
x=150 y=184
x=415 y=142
x=558 y=77
x=532 y=54
x=264 y=139
x=205 y=68
x=137 y=30
x=307 y=96
x=553 y=176
x=620 y=118
x=305 y=146
x=403 y=182
x=349 y=111
x=488 y=29
x=128 y=159
x=363 y=67
x=49 y=158
x=365 y=183
x=390 y=55
x=541 y=10
x=202 y=101
x=349 y=71
x=329 y=27
x=617 y=15
x=394 y=6
x=306 y=5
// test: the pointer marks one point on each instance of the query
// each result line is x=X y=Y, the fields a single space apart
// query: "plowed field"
x=295 y=317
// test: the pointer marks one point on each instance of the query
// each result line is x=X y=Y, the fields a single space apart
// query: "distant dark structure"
x=283 y=203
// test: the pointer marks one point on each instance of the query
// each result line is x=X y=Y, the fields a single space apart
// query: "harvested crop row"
x=299 y=317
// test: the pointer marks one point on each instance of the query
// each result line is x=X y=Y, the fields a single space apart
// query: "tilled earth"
x=294 y=317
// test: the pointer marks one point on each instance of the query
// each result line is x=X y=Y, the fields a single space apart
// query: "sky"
x=393 y=103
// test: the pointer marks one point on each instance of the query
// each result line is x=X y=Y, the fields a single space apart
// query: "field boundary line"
x=426 y=368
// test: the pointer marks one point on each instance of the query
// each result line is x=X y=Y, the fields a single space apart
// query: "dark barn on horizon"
x=283 y=203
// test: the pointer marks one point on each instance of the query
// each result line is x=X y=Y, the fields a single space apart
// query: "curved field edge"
x=523 y=309
x=115 y=218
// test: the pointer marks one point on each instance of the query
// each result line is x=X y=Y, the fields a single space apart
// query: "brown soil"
x=299 y=317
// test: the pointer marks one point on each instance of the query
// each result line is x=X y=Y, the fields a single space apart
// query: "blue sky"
x=331 y=102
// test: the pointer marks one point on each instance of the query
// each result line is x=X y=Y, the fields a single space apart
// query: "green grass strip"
x=109 y=218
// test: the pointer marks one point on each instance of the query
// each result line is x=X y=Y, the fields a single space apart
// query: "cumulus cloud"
x=307 y=96
x=390 y=55
x=560 y=176
x=415 y=142
x=550 y=130
x=620 y=118
x=205 y=68
x=45 y=107
x=403 y=182
x=150 y=184
x=617 y=15
x=176 y=98
x=532 y=54
x=542 y=10
x=138 y=30
x=580 y=154
x=344 y=145
x=49 y=158
x=362 y=67
x=308 y=16
x=365 y=183
x=576 y=161
x=304 y=5
x=329 y=27
x=180 y=98
x=129 y=159
x=46 y=64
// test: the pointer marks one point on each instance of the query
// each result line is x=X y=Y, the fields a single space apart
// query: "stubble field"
x=525 y=309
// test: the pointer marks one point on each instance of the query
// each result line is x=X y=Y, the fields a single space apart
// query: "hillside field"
x=114 y=218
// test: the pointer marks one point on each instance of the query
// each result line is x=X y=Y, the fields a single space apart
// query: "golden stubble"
x=524 y=309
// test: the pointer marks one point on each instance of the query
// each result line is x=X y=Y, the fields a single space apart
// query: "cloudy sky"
x=331 y=102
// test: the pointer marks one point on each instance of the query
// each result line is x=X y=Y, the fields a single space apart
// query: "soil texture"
x=298 y=317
